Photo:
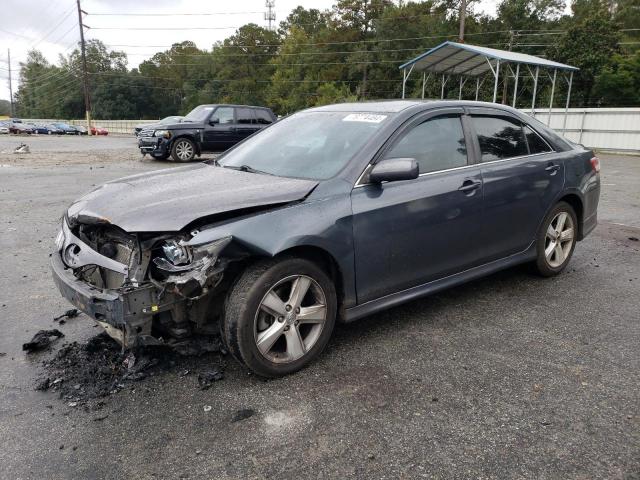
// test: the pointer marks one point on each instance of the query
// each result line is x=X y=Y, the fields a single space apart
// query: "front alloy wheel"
x=183 y=150
x=279 y=315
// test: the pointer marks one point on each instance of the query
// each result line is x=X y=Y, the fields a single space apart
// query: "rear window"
x=535 y=142
x=499 y=137
x=263 y=116
x=245 y=116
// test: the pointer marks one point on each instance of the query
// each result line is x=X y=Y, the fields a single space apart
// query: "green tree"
x=619 y=83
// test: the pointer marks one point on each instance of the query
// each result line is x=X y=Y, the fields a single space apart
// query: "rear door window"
x=263 y=116
x=536 y=142
x=499 y=137
x=245 y=116
x=437 y=144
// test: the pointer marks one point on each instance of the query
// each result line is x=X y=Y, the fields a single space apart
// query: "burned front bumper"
x=126 y=314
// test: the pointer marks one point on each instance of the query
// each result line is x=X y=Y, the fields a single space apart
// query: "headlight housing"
x=180 y=257
x=162 y=133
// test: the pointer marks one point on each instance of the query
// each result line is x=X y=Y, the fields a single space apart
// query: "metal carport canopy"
x=460 y=59
x=451 y=58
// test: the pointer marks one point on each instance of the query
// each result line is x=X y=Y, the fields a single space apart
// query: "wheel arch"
x=576 y=203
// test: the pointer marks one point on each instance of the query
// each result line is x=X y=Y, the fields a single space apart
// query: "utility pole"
x=463 y=17
x=85 y=80
x=10 y=84
x=270 y=14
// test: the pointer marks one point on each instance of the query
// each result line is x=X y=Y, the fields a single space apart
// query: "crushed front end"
x=141 y=288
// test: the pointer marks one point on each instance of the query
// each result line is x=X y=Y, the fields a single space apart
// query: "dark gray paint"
x=390 y=242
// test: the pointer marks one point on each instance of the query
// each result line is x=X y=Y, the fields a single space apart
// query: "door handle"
x=469 y=186
x=552 y=168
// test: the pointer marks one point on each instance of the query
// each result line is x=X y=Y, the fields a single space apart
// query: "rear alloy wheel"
x=556 y=240
x=184 y=150
x=279 y=316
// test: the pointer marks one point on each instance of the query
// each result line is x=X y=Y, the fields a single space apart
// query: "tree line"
x=349 y=52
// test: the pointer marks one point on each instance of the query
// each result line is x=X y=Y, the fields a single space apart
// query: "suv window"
x=499 y=138
x=223 y=114
x=437 y=144
x=535 y=142
x=245 y=116
x=263 y=116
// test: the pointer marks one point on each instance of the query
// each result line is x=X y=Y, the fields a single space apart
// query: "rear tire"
x=183 y=150
x=556 y=240
x=279 y=315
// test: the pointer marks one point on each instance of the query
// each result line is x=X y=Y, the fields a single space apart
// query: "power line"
x=176 y=14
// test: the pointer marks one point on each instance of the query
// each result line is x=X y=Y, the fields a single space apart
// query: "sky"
x=51 y=26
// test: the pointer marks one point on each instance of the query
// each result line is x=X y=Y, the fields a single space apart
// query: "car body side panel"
x=324 y=223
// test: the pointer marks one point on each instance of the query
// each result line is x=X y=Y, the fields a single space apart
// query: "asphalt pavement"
x=511 y=376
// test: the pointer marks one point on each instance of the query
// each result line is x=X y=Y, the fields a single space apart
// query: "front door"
x=522 y=177
x=408 y=233
x=220 y=130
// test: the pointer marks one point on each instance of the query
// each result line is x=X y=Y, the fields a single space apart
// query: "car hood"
x=169 y=200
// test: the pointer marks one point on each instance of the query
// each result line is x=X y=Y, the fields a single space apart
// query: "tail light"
x=595 y=164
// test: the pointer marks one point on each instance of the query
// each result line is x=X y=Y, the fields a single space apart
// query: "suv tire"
x=279 y=315
x=183 y=150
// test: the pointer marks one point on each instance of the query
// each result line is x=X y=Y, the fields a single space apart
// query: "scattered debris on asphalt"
x=73 y=313
x=633 y=239
x=206 y=379
x=207 y=408
x=42 y=340
x=99 y=367
x=242 y=415
x=22 y=148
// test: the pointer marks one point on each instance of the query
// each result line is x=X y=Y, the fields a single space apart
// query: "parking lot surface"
x=511 y=376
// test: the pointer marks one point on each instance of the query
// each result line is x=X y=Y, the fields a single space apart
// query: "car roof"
x=397 y=106
x=233 y=105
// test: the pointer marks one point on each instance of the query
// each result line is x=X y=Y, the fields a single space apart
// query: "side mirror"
x=394 y=169
x=214 y=121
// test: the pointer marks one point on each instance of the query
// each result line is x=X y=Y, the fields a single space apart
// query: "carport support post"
x=566 y=107
x=515 y=87
x=442 y=89
x=477 y=87
x=535 y=90
x=424 y=81
x=553 y=89
x=404 y=80
x=495 y=83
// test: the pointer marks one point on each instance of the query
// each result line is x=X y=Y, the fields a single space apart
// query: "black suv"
x=207 y=128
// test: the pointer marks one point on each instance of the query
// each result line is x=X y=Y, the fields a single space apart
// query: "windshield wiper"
x=246 y=168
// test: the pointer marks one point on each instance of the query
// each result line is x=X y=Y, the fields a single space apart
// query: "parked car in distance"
x=331 y=214
x=165 y=121
x=4 y=127
x=66 y=128
x=20 y=128
x=81 y=129
x=54 y=130
x=99 y=131
x=207 y=128
x=39 y=128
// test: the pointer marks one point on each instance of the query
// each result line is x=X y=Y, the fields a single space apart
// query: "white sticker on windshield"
x=364 y=117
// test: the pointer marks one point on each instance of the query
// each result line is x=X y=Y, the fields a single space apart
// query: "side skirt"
x=388 y=301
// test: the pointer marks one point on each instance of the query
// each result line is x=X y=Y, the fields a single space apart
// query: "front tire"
x=183 y=150
x=279 y=315
x=556 y=240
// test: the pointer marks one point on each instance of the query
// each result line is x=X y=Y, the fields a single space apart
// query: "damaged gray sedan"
x=331 y=214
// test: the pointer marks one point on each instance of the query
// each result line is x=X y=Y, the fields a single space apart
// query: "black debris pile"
x=42 y=340
x=73 y=313
x=80 y=372
x=208 y=378
x=242 y=415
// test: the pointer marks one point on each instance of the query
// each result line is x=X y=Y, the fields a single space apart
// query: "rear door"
x=246 y=123
x=220 y=131
x=408 y=233
x=522 y=176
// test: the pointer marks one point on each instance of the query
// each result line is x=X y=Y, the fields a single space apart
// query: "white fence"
x=611 y=129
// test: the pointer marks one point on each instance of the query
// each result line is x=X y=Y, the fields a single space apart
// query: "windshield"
x=199 y=114
x=314 y=145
